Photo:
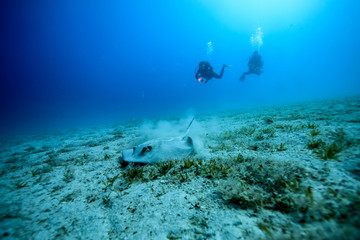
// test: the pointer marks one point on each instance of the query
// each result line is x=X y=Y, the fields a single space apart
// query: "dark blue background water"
x=76 y=61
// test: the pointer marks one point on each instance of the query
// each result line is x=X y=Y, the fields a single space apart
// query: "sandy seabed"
x=283 y=172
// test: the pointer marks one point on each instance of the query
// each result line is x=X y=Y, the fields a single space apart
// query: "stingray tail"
x=188 y=128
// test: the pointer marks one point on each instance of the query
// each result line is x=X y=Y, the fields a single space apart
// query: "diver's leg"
x=242 y=78
x=222 y=70
x=215 y=75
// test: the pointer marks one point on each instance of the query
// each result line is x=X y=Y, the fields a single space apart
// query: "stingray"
x=160 y=149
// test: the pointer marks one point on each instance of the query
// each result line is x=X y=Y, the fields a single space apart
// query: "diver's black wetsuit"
x=206 y=71
x=255 y=65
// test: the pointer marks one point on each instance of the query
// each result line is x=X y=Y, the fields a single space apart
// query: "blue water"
x=77 y=61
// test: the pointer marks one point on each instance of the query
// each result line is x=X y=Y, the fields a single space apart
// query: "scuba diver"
x=205 y=71
x=255 y=66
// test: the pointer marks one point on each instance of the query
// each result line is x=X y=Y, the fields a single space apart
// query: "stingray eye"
x=143 y=151
x=146 y=149
x=134 y=149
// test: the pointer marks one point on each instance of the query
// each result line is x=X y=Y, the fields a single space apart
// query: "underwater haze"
x=78 y=62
